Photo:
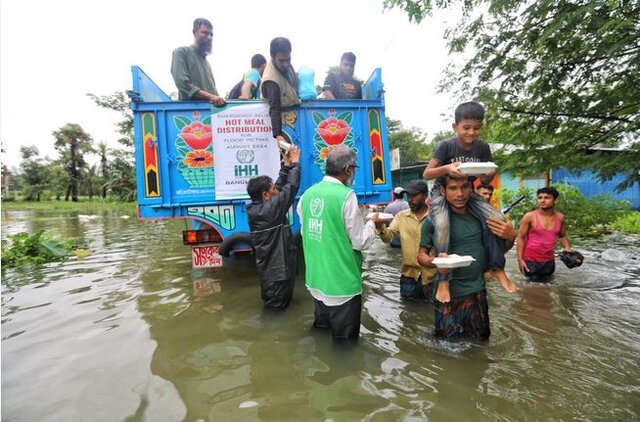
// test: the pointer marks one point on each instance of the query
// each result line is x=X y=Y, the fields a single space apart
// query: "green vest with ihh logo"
x=332 y=265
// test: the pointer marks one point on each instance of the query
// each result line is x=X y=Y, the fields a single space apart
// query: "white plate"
x=453 y=261
x=477 y=169
x=381 y=215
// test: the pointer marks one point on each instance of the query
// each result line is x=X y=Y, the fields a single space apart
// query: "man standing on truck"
x=333 y=236
x=271 y=233
x=249 y=87
x=279 y=84
x=190 y=69
x=342 y=85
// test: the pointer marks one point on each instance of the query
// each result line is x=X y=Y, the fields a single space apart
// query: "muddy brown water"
x=132 y=333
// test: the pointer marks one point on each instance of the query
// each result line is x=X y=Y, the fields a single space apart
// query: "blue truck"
x=182 y=172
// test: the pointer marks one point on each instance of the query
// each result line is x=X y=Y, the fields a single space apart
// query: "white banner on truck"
x=243 y=147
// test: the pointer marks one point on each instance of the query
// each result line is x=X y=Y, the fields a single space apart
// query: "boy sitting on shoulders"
x=464 y=148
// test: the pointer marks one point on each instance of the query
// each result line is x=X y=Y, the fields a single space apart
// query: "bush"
x=587 y=214
x=628 y=223
x=38 y=248
x=507 y=196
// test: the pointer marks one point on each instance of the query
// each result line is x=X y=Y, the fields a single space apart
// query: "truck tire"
x=227 y=244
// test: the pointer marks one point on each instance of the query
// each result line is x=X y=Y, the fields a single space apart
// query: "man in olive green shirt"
x=190 y=69
x=414 y=278
x=466 y=312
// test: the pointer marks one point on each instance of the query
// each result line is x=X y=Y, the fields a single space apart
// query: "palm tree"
x=102 y=150
x=72 y=142
x=89 y=179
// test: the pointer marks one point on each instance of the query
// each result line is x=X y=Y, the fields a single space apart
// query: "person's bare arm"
x=387 y=233
x=201 y=94
x=435 y=170
x=564 y=238
x=424 y=258
x=504 y=230
x=328 y=95
x=246 y=90
x=523 y=232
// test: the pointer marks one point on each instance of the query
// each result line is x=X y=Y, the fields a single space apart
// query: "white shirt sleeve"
x=299 y=211
x=361 y=235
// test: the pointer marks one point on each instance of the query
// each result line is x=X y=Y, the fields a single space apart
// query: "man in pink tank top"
x=539 y=231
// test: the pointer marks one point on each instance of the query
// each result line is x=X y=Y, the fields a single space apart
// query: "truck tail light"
x=196 y=237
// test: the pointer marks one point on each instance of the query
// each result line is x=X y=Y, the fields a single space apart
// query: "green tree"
x=122 y=176
x=104 y=168
x=559 y=78
x=73 y=142
x=58 y=178
x=411 y=142
x=33 y=175
x=442 y=136
x=121 y=179
x=89 y=180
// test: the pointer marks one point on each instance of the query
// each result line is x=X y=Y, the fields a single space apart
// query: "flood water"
x=132 y=333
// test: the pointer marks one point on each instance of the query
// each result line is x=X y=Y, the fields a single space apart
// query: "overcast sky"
x=54 y=52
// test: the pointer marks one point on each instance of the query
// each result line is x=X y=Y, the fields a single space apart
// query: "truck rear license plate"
x=206 y=256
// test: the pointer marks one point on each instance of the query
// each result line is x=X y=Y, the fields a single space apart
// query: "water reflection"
x=131 y=333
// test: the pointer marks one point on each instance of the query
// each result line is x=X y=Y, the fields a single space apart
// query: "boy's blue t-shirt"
x=253 y=76
x=450 y=151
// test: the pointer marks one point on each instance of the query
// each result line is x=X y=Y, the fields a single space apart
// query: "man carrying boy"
x=465 y=147
x=271 y=233
x=467 y=312
x=539 y=231
x=414 y=279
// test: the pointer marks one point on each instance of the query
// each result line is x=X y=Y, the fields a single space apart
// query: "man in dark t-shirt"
x=342 y=86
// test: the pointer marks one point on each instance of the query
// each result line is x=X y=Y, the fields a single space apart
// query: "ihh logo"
x=246 y=170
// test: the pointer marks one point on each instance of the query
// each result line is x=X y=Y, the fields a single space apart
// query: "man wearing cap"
x=395 y=207
x=398 y=203
x=414 y=278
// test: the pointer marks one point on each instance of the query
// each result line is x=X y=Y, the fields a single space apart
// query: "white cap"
x=398 y=190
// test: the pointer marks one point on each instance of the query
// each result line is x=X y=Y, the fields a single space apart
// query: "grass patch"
x=84 y=205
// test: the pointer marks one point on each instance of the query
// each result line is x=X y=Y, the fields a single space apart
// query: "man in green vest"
x=190 y=69
x=333 y=236
x=279 y=84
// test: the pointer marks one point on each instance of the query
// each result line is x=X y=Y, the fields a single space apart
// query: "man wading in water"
x=539 y=231
x=466 y=314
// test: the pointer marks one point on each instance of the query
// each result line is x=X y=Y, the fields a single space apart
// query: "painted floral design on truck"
x=331 y=130
x=194 y=150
